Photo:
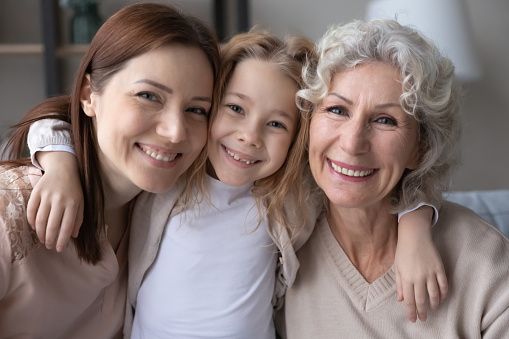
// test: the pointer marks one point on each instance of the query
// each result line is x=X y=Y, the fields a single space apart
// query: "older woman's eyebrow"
x=350 y=102
x=168 y=89
x=387 y=105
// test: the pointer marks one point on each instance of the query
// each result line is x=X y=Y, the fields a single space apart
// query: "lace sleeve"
x=15 y=189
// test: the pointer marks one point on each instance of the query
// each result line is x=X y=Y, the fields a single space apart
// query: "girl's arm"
x=420 y=275
x=55 y=207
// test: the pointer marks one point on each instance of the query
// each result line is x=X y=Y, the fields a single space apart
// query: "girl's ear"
x=86 y=97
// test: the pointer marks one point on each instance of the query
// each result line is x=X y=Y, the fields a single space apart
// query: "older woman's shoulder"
x=460 y=223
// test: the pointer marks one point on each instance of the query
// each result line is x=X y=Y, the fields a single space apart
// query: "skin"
x=152 y=106
x=157 y=103
x=360 y=126
x=256 y=123
x=251 y=122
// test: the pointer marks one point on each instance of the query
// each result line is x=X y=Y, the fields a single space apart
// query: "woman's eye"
x=276 y=124
x=147 y=95
x=236 y=109
x=387 y=121
x=198 y=110
x=337 y=110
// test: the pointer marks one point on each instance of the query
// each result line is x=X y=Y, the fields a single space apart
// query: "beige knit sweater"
x=330 y=298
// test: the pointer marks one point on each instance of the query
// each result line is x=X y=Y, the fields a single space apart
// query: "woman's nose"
x=172 y=125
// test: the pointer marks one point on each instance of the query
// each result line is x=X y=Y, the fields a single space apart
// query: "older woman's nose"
x=172 y=125
x=354 y=137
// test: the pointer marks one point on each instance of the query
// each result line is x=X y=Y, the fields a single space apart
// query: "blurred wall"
x=486 y=105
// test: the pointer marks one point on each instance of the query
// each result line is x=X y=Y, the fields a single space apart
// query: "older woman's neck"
x=368 y=237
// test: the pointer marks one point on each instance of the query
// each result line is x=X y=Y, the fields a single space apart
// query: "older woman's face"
x=361 y=140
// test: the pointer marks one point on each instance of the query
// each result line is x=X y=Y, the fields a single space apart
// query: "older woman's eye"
x=387 y=121
x=148 y=96
x=337 y=110
x=236 y=109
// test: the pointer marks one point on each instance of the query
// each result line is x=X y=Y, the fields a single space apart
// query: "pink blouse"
x=46 y=294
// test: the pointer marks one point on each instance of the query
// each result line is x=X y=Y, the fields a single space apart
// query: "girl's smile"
x=255 y=124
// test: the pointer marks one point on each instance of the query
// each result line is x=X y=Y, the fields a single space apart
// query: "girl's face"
x=151 y=118
x=255 y=124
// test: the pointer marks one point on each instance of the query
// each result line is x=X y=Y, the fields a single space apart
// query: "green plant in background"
x=86 y=20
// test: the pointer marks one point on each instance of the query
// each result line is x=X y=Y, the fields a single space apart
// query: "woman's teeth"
x=351 y=173
x=157 y=156
x=236 y=157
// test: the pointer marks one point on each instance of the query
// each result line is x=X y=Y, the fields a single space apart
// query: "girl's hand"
x=420 y=274
x=55 y=207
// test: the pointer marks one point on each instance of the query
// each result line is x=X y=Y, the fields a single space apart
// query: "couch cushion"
x=492 y=206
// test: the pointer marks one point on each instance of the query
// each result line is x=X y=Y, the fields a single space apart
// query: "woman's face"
x=361 y=140
x=151 y=117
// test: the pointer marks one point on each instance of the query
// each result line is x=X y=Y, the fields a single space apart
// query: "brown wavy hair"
x=132 y=31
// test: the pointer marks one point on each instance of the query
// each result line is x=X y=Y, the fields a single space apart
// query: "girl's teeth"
x=236 y=157
x=349 y=172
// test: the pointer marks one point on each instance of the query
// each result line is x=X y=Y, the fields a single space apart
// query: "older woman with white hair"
x=383 y=136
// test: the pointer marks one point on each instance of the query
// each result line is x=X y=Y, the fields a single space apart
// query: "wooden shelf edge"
x=38 y=49
x=21 y=49
x=68 y=50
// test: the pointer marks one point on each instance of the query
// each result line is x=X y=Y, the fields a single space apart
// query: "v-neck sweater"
x=331 y=299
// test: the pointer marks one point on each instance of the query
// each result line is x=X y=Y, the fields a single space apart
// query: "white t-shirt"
x=214 y=274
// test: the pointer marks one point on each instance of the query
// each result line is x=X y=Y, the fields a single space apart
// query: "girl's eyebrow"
x=240 y=96
x=169 y=90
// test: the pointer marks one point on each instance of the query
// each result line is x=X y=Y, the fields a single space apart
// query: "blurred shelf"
x=21 y=49
x=38 y=49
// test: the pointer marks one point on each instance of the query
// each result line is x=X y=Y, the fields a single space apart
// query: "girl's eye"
x=198 y=110
x=147 y=95
x=236 y=109
x=387 y=121
x=337 y=110
x=276 y=124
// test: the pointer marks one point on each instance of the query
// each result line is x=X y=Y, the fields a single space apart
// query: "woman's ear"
x=86 y=97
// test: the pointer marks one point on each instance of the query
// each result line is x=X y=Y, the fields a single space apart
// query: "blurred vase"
x=85 y=23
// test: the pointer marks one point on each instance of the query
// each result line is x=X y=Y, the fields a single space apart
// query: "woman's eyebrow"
x=168 y=89
x=155 y=84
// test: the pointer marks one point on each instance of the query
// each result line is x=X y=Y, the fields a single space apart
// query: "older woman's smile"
x=351 y=171
x=361 y=123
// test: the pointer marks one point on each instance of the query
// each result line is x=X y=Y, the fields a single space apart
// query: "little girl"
x=206 y=268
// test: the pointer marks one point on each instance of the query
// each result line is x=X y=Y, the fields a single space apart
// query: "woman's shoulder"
x=15 y=189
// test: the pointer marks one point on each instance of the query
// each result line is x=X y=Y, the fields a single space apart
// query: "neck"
x=116 y=208
x=368 y=236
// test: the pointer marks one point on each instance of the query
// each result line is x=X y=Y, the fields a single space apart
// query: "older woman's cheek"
x=318 y=133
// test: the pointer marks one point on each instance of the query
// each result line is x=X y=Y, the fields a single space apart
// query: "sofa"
x=492 y=206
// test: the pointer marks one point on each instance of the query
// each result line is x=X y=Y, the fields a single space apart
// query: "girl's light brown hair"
x=134 y=30
x=285 y=186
